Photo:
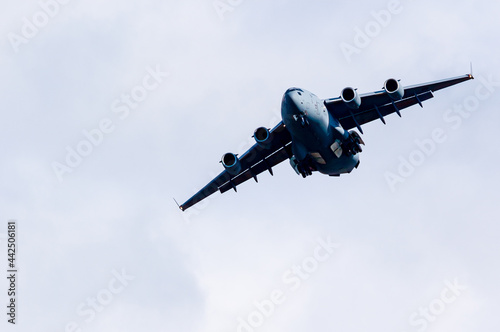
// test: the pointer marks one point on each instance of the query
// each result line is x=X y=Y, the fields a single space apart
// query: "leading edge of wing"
x=253 y=156
x=436 y=85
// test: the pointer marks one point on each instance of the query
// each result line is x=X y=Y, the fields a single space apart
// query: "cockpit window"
x=295 y=89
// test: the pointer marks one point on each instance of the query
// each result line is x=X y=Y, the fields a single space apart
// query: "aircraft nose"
x=292 y=108
x=292 y=99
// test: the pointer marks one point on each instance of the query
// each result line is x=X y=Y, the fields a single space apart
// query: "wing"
x=377 y=105
x=253 y=162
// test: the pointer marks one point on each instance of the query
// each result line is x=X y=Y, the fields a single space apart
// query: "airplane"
x=315 y=134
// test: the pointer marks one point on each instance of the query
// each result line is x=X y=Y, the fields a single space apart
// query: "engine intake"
x=351 y=97
x=263 y=137
x=231 y=163
x=394 y=89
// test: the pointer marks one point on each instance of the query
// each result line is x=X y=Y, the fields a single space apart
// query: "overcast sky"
x=112 y=109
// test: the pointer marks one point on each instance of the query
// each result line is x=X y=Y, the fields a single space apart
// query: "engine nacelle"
x=263 y=137
x=351 y=98
x=231 y=163
x=394 y=89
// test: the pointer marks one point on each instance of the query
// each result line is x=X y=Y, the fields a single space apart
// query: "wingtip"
x=179 y=206
x=471 y=75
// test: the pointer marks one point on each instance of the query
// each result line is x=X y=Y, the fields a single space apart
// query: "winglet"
x=471 y=75
x=180 y=206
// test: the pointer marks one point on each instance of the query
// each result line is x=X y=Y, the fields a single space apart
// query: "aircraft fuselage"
x=319 y=143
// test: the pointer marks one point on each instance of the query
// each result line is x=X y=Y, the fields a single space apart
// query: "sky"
x=110 y=110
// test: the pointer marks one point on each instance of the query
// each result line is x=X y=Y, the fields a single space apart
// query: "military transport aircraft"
x=315 y=133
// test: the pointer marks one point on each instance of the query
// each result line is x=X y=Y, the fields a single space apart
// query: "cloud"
x=226 y=78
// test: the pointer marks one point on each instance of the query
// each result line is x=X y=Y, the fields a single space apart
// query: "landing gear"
x=352 y=145
x=302 y=120
x=303 y=168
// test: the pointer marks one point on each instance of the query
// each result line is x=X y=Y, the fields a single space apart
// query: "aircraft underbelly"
x=320 y=147
x=336 y=166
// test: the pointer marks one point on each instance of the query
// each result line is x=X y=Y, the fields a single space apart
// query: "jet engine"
x=231 y=163
x=351 y=98
x=263 y=137
x=394 y=89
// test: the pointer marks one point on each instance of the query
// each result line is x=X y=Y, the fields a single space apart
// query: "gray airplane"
x=315 y=134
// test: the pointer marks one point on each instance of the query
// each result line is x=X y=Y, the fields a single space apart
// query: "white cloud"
x=115 y=211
